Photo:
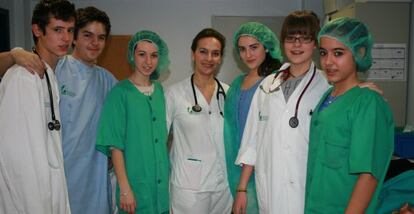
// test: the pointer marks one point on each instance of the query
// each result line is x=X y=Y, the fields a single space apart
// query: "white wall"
x=178 y=21
x=18 y=17
x=315 y=5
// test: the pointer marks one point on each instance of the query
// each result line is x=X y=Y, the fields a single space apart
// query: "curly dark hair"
x=46 y=9
x=268 y=66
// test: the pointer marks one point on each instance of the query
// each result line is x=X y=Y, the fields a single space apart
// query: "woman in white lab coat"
x=198 y=182
x=275 y=140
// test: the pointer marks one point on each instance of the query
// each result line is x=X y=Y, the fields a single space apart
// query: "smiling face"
x=337 y=61
x=298 y=49
x=145 y=58
x=252 y=52
x=207 y=56
x=90 y=42
x=55 y=41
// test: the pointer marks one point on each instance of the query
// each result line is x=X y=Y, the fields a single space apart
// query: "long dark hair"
x=268 y=66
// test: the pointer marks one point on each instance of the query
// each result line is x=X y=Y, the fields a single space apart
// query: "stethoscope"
x=220 y=90
x=54 y=124
x=293 y=121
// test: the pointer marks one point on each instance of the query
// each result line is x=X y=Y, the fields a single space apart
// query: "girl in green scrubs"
x=352 y=129
x=133 y=129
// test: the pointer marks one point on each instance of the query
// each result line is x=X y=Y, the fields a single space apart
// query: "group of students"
x=282 y=123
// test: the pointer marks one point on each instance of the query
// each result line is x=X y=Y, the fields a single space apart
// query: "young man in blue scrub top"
x=83 y=86
x=32 y=176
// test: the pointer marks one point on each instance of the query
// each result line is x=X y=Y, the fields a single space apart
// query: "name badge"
x=263 y=117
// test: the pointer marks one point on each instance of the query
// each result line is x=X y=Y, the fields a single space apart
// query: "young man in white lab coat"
x=32 y=178
x=83 y=86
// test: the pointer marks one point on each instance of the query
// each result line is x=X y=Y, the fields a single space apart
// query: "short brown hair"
x=303 y=22
x=206 y=33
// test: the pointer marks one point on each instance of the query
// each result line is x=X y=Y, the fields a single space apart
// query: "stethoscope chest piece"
x=54 y=125
x=196 y=108
x=293 y=122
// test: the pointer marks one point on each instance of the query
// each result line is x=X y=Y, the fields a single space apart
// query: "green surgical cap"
x=263 y=34
x=353 y=34
x=163 y=59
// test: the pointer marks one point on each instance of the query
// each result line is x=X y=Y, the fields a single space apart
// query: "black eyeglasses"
x=300 y=39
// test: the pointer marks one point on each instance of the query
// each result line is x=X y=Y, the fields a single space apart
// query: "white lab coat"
x=197 y=153
x=32 y=178
x=277 y=151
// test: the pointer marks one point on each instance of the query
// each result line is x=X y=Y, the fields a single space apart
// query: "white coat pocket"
x=261 y=188
x=189 y=173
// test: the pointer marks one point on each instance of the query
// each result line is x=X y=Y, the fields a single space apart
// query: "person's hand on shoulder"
x=28 y=60
x=372 y=86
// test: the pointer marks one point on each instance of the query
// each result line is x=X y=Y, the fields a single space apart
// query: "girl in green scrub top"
x=352 y=129
x=133 y=129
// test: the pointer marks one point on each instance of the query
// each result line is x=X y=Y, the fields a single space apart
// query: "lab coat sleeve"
x=23 y=154
x=247 y=151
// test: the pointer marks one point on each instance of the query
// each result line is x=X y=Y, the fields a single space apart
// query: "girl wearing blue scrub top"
x=259 y=50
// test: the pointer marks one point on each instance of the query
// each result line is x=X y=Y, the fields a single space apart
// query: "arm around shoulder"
x=6 y=61
x=28 y=60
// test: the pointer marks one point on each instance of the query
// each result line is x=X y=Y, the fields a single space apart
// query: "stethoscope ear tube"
x=294 y=121
x=54 y=124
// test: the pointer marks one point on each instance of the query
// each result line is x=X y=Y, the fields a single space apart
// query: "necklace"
x=146 y=90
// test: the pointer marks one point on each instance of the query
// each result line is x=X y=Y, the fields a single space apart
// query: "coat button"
x=153 y=119
x=159 y=181
x=156 y=140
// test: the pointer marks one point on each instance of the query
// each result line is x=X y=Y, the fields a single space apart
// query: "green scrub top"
x=353 y=135
x=136 y=124
x=232 y=144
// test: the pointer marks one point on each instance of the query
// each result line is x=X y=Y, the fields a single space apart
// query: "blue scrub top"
x=83 y=89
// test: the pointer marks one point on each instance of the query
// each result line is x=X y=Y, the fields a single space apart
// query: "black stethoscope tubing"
x=54 y=124
x=220 y=90
x=294 y=121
